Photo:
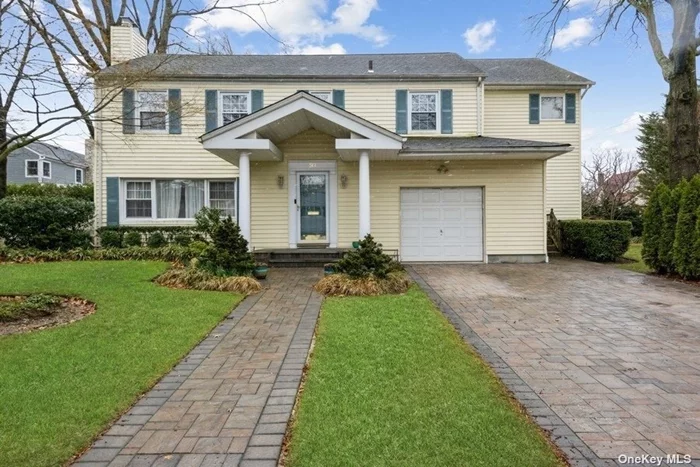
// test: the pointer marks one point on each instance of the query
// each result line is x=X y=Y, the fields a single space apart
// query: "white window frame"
x=50 y=169
x=229 y=93
x=563 y=113
x=207 y=194
x=329 y=93
x=139 y=109
x=82 y=176
x=154 y=200
x=26 y=168
x=438 y=110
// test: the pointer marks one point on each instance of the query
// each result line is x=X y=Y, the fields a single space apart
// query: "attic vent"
x=370 y=67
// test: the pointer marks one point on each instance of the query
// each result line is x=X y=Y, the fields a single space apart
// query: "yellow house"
x=438 y=157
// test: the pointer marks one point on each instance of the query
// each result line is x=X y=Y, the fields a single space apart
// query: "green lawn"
x=61 y=387
x=392 y=383
x=635 y=254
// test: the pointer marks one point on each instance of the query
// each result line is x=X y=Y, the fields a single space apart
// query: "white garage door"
x=441 y=224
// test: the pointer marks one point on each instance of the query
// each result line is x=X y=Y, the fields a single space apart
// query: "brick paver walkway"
x=229 y=401
x=612 y=354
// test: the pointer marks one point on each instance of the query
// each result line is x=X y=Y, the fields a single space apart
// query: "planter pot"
x=260 y=272
x=328 y=270
x=356 y=245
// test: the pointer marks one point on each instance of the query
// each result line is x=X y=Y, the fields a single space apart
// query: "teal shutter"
x=128 y=112
x=401 y=111
x=256 y=100
x=571 y=108
x=534 y=109
x=446 y=111
x=112 y=201
x=339 y=98
x=174 y=112
x=211 y=99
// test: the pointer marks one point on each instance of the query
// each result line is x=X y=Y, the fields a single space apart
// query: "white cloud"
x=574 y=4
x=479 y=38
x=298 y=23
x=608 y=144
x=332 y=49
x=573 y=34
x=587 y=133
x=630 y=123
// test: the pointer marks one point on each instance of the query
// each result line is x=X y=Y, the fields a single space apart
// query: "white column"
x=364 y=194
x=244 y=194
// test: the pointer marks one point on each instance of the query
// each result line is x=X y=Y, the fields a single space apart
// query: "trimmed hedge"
x=595 y=240
x=153 y=236
x=84 y=192
x=46 y=222
x=169 y=253
x=672 y=239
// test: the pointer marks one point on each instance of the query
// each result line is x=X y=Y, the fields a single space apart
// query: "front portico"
x=314 y=175
x=312 y=184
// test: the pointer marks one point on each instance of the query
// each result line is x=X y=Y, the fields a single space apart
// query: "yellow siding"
x=513 y=197
x=506 y=115
x=171 y=156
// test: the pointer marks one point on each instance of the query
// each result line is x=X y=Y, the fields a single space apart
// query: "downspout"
x=480 y=106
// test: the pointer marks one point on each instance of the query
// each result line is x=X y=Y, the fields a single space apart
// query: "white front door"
x=442 y=224
x=313 y=203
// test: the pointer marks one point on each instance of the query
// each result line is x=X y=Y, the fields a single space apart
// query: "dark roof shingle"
x=435 y=143
x=524 y=71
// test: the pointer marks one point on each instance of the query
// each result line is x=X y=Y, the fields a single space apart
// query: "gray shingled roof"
x=444 y=65
x=429 y=144
x=524 y=71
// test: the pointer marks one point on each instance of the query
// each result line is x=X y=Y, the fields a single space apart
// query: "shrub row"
x=595 y=240
x=671 y=241
x=170 y=253
x=84 y=192
x=46 y=222
x=152 y=236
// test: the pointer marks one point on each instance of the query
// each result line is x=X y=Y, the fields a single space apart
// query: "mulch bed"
x=70 y=309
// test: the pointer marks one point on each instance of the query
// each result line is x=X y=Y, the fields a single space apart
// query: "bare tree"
x=609 y=183
x=678 y=65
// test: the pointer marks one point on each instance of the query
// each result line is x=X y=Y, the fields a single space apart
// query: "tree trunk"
x=682 y=99
x=3 y=162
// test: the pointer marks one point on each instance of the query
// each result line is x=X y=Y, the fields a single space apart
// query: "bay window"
x=177 y=199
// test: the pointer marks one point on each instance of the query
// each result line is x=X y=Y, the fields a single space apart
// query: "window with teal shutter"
x=174 y=112
x=256 y=98
x=446 y=111
x=211 y=119
x=112 y=201
x=534 y=109
x=128 y=112
x=570 y=108
x=401 y=111
x=339 y=98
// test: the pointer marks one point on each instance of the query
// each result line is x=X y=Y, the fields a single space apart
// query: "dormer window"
x=424 y=111
x=234 y=105
x=152 y=110
x=323 y=95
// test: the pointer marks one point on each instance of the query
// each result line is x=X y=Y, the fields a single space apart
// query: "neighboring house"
x=439 y=157
x=623 y=188
x=45 y=163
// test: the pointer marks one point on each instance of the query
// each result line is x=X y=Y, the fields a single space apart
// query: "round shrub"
x=595 y=240
x=132 y=239
x=110 y=239
x=45 y=222
x=156 y=240
x=653 y=227
x=367 y=260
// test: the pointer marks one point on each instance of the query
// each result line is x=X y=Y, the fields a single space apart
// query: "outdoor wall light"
x=280 y=181
x=344 y=181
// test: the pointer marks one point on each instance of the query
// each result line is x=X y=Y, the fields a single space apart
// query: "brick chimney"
x=126 y=41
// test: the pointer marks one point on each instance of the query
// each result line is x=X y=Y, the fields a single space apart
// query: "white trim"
x=563 y=105
x=437 y=112
x=137 y=118
x=220 y=103
x=329 y=167
x=154 y=201
x=48 y=177
x=26 y=173
x=82 y=176
x=364 y=195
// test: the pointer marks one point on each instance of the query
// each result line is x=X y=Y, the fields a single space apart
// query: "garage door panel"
x=441 y=224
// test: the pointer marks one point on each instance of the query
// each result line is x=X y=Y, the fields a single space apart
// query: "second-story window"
x=423 y=107
x=323 y=95
x=234 y=105
x=552 y=107
x=152 y=110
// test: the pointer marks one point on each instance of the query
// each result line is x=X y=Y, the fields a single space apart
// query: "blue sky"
x=629 y=81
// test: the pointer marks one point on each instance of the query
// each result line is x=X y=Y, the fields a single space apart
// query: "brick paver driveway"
x=614 y=354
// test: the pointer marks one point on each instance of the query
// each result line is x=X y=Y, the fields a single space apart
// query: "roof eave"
x=557 y=84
